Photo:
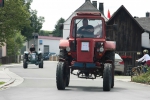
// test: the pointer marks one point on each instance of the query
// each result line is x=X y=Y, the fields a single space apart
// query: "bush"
x=143 y=78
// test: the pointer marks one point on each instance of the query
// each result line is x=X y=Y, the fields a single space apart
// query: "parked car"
x=119 y=64
x=47 y=55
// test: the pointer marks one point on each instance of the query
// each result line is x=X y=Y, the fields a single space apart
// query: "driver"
x=32 y=48
x=85 y=29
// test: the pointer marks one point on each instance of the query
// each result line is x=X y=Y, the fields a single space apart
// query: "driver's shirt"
x=80 y=31
x=32 y=49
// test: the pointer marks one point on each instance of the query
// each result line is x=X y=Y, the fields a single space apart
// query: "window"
x=90 y=28
x=40 y=42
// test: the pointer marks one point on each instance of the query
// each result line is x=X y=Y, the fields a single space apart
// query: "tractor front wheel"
x=107 y=77
x=61 y=76
x=68 y=77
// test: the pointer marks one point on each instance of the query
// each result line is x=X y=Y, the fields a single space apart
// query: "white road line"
x=55 y=79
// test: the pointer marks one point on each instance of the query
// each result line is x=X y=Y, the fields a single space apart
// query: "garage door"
x=46 y=48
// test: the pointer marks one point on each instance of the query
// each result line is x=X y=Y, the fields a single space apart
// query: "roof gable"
x=87 y=6
x=123 y=8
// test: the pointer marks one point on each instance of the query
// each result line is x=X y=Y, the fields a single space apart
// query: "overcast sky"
x=53 y=10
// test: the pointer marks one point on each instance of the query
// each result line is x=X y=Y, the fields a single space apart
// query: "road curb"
x=14 y=78
x=128 y=80
x=11 y=80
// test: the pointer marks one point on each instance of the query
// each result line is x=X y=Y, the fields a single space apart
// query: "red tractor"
x=86 y=50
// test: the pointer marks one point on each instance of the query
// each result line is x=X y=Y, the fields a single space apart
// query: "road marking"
x=55 y=79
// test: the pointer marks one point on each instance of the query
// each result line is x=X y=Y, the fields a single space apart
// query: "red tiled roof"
x=49 y=37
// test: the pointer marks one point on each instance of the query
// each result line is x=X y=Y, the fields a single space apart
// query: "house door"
x=46 y=48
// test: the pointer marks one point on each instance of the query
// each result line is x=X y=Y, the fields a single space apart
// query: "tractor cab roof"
x=89 y=13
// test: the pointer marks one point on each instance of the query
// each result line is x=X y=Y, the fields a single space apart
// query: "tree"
x=13 y=16
x=44 y=33
x=35 y=23
x=57 y=32
x=15 y=43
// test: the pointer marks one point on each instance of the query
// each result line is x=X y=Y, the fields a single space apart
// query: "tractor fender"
x=39 y=52
x=26 y=52
x=110 y=45
x=63 y=43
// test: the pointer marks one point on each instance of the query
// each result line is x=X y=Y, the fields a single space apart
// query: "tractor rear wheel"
x=41 y=64
x=107 y=77
x=61 y=76
x=68 y=77
x=25 y=65
x=112 y=82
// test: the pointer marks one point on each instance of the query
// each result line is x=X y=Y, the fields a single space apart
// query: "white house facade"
x=145 y=24
x=3 y=51
x=45 y=44
x=145 y=40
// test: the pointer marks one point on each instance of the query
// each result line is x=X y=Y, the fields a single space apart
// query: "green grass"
x=143 y=78
x=2 y=83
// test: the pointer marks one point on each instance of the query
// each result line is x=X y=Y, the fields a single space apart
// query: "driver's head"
x=85 y=22
x=32 y=45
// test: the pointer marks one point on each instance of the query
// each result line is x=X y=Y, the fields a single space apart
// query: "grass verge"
x=1 y=83
x=143 y=78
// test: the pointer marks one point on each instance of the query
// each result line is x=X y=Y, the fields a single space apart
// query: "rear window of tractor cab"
x=88 y=28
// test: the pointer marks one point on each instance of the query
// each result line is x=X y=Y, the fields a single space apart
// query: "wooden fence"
x=10 y=59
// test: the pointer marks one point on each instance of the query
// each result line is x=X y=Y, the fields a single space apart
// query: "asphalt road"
x=40 y=84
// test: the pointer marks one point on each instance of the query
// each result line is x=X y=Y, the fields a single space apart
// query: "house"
x=87 y=6
x=44 y=43
x=3 y=51
x=145 y=23
x=3 y=55
x=128 y=36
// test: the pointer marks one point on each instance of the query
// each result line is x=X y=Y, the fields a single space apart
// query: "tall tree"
x=44 y=33
x=13 y=16
x=57 y=32
x=35 y=22
x=15 y=43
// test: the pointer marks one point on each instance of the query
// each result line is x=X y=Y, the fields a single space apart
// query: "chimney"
x=94 y=4
x=147 y=14
x=87 y=0
x=101 y=8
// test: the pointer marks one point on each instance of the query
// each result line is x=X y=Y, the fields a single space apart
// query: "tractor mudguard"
x=39 y=52
x=110 y=45
x=26 y=52
x=63 y=43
